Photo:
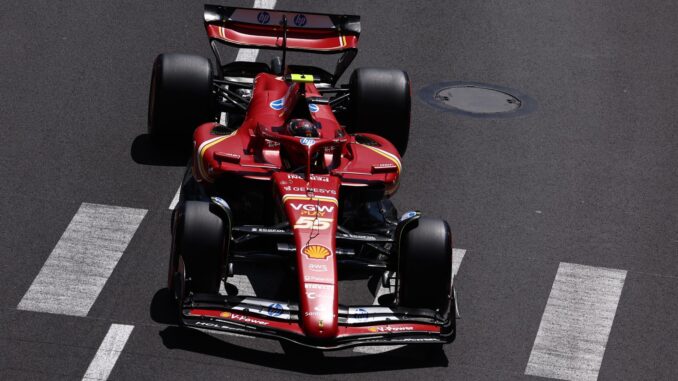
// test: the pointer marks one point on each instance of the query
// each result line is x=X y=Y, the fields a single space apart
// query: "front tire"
x=425 y=265
x=200 y=244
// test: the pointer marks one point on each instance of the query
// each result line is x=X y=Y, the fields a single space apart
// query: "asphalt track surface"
x=587 y=178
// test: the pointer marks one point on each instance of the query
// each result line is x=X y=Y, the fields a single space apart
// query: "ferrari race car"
x=288 y=166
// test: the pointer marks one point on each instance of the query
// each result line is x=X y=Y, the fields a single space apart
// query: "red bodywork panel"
x=310 y=201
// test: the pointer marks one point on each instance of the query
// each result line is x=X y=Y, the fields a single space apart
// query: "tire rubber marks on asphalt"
x=576 y=324
x=457 y=257
x=109 y=351
x=79 y=266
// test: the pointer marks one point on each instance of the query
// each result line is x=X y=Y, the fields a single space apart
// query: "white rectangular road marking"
x=577 y=320
x=109 y=351
x=175 y=200
x=242 y=283
x=83 y=259
x=457 y=257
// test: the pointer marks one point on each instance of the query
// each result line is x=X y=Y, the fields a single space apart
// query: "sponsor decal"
x=316 y=223
x=206 y=324
x=414 y=339
x=313 y=209
x=407 y=215
x=277 y=104
x=311 y=278
x=311 y=295
x=362 y=237
x=312 y=107
x=313 y=177
x=242 y=318
x=361 y=313
x=316 y=313
x=316 y=251
x=318 y=268
x=263 y=17
x=307 y=141
x=275 y=309
x=300 y=20
x=267 y=230
x=315 y=190
x=315 y=286
x=390 y=329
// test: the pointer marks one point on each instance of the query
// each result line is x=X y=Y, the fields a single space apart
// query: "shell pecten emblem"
x=316 y=252
x=225 y=314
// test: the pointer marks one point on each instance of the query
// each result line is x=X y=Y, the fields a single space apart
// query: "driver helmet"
x=303 y=128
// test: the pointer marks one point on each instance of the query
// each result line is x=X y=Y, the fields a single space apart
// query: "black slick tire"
x=201 y=243
x=181 y=96
x=380 y=104
x=425 y=265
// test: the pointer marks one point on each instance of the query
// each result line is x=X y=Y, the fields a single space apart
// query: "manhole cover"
x=476 y=99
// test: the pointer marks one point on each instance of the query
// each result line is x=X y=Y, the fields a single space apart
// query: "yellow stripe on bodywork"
x=201 y=152
x=289 y=197
x=387 y=155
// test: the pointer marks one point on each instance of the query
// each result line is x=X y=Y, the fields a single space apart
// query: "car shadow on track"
x=317 y=363
x=148 y=151
x=294 y=358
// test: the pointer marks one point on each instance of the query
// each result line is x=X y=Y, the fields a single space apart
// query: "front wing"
x=358 y=325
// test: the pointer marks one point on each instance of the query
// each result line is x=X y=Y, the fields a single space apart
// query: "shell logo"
x=316 y=252
x=225 y=314
x=372 y=329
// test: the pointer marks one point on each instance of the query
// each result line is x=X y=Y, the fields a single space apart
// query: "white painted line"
x=243 y=284
x=83 y=259
x=267 y=4
x=457 y=257
x=576 y=324
x=175 y=199
x=250 y=55
x=109 y=351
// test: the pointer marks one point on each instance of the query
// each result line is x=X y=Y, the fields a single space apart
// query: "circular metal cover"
x=476 y=99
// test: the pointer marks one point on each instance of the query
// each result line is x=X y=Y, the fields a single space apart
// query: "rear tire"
x=200 y=239
x=181 y=96
x=380 y=104
x=425 y=265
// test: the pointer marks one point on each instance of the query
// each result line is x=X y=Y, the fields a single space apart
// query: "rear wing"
x=284 y=30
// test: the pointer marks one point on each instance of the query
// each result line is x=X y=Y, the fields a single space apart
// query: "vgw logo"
x=312 y=210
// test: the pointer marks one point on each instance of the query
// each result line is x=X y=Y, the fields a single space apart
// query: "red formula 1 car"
x=289 y=166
